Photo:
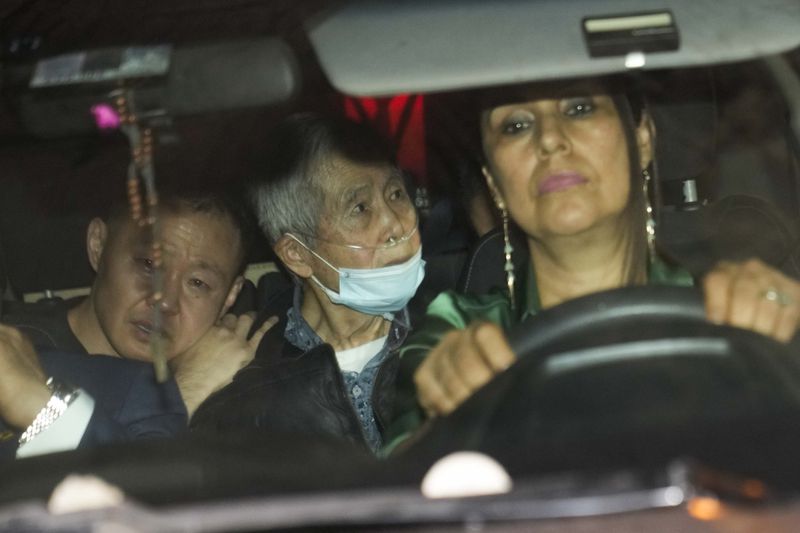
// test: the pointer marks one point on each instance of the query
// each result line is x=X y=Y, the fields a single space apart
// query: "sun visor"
x=56 y=95
x=390 y=47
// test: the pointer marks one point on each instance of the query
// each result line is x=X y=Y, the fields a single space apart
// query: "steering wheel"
x=616 y=309
x=615 y=370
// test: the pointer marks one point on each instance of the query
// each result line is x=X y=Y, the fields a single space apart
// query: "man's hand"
x=462 y=362
x=212 y=361
x=23 y=392
x=755 y=296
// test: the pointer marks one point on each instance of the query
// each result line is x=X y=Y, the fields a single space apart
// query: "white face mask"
x=375 y=291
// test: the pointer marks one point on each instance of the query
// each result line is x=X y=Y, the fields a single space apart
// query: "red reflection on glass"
x=401 y=118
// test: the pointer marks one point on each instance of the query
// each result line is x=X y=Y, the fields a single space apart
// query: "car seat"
x=735 y=228
x=484 y=270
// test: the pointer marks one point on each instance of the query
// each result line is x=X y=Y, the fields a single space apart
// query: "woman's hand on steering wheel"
x=755 y=296
x=462 y=362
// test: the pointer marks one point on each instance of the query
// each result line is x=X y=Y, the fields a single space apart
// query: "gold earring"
x=507 y=251
x=650 y=222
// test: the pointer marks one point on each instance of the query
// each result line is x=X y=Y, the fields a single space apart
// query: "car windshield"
x=291 y=233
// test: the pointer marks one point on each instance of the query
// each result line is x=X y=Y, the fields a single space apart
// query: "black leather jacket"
x=286 y=389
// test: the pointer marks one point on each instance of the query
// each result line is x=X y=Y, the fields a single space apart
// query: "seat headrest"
x=737 y=227
x=484 y=269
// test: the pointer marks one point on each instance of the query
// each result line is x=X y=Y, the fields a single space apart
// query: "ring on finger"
x=774 y=295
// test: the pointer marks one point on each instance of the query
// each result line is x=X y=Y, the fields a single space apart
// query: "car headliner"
x=377 y=48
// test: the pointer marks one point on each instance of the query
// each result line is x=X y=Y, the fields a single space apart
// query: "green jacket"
x=454 y=310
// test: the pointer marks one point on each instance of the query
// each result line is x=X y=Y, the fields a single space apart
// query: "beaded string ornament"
x=143 y=201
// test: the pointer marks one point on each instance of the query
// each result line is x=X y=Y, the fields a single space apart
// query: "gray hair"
x=288 y=195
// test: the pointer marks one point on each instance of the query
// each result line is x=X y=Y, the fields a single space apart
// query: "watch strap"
x=62 y=396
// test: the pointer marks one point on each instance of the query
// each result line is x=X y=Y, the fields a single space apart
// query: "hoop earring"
x=650 y=222
x=507 y=251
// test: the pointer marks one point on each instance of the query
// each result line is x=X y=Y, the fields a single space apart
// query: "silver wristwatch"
x=62 y=396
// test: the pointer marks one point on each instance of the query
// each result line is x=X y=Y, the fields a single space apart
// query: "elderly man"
x=338 y=216
x=203 y=260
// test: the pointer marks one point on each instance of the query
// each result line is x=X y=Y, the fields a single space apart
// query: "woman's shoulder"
x=460 y=309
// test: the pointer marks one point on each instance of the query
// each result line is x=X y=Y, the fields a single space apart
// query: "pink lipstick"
x=560 y=181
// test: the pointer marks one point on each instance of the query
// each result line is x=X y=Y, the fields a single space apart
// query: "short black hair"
x=181 y=194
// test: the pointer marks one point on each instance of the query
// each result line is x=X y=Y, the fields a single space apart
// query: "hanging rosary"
x=143 y=202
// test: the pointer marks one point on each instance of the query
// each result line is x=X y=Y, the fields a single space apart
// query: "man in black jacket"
x=338 y=216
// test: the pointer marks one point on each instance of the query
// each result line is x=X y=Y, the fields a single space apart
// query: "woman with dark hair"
x=571 y=166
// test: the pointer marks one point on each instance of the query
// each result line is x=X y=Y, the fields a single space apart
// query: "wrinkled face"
x=367 y=206
x=200 y=282
x=560 y=165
